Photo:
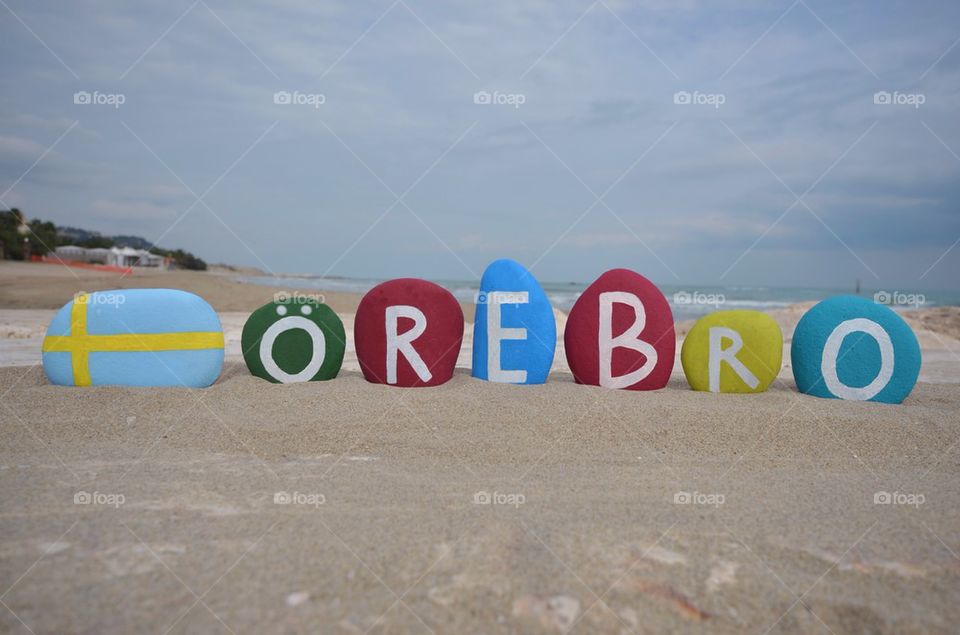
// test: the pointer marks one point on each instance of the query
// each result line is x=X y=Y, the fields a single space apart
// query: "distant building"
x=72 y=252
x=116 y=256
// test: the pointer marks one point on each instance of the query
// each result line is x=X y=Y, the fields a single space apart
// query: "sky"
x=804 y=143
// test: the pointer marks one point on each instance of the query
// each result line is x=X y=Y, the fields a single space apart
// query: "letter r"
x=403 y=343
x=719 y=354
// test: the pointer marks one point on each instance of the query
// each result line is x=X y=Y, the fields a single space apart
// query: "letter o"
x=831 y=352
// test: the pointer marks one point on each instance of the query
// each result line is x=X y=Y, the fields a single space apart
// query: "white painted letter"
x=718 y=354
x=627 y=339
x=402 y=343
x=496 y=333
x=282 y=326
x=831 y=351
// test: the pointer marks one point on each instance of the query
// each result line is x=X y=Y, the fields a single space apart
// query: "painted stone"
x=514 y=331
x=294 y=340
x=134 y=337
x=619 y=334
x=732 y=351
x=848 y=347
x=408 y=333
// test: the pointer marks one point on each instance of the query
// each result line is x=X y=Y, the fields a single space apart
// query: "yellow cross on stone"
x=80 y=344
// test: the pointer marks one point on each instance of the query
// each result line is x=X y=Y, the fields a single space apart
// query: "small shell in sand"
x=724 y=572
x=556 y=611
x=297 y=598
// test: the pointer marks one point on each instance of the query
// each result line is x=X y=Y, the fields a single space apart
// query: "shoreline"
x=686 y=301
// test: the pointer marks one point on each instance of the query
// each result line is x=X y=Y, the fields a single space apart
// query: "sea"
x=686 y=301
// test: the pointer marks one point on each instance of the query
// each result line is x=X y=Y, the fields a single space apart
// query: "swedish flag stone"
x=134 y=337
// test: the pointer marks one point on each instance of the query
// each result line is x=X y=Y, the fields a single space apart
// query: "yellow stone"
x=732 y=351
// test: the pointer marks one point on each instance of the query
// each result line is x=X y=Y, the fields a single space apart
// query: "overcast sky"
x=783 y=169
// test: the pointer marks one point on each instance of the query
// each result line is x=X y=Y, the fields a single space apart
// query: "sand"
x=44 y=286
x=388 y=528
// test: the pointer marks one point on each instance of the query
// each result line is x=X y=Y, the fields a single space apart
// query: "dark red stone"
x=438 y=346
x=582 y=336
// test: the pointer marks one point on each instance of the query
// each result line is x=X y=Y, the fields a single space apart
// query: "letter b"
x=620 y=334
x=628 y=339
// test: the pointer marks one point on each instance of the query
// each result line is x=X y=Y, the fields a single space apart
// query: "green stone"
x=294 y=340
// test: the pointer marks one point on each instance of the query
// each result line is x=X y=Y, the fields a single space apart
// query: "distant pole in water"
x=858 y=286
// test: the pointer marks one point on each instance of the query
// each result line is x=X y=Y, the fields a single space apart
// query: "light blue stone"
x=140 y=311
x=858 y=359
x=528 y=335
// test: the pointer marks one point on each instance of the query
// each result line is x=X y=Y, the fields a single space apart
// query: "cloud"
x=130 y=211
x=29 y=120
x=18 y=150
x=398 y=94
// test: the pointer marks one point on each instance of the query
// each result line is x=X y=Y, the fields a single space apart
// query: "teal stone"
x=848 y=347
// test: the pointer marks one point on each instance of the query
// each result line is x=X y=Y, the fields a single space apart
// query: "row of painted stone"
x=408 y=332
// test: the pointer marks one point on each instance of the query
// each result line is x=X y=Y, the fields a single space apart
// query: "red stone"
x=582 y=337
x=432 y=309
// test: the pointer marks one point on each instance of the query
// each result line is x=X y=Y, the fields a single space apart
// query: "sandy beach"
x=347 y=507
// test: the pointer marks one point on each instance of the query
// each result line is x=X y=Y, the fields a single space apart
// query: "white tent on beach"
x=116 y=256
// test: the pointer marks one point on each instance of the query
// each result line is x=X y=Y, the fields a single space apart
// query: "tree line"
x=20 y=239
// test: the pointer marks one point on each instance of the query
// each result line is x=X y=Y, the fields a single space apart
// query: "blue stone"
x=134 y=337
x=514 y=331
x=848 y=347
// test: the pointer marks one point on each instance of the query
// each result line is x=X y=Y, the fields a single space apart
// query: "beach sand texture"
x=387 y=529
